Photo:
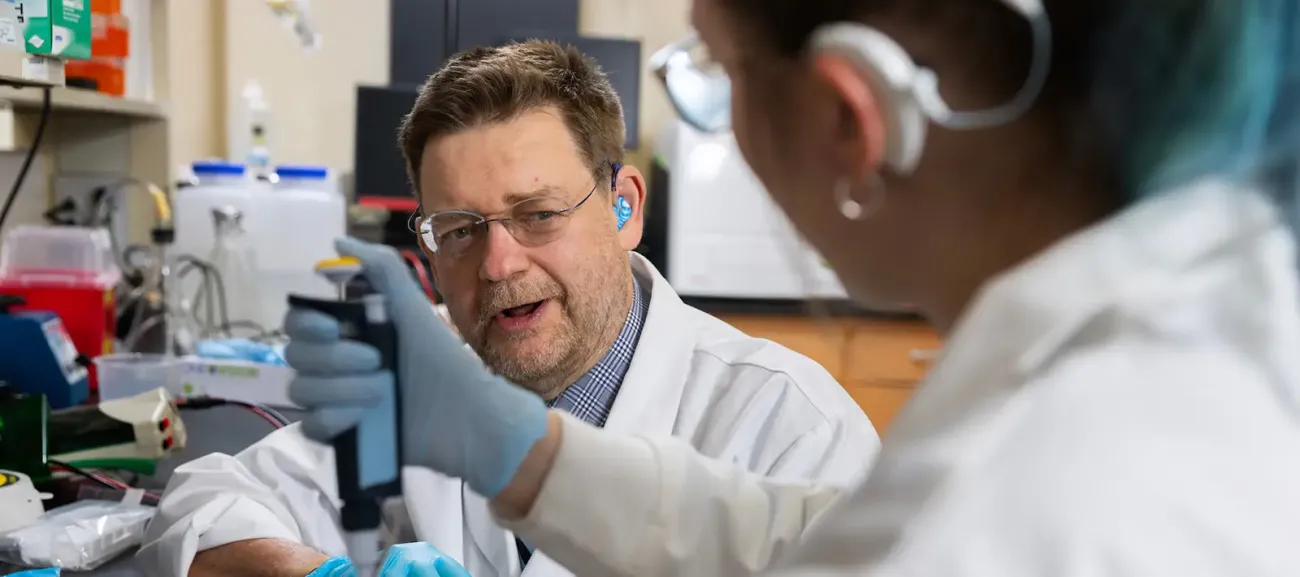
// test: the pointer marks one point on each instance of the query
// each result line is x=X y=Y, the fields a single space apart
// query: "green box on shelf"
x=59 y=28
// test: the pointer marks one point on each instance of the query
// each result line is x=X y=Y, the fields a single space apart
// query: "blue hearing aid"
x=622 y=209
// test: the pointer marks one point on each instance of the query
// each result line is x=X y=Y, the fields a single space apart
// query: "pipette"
x=339 y=271
x=367 y=458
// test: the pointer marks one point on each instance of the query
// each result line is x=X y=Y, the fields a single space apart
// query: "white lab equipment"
x=236 y=261
x=739 y=399
x=726 y=238
x=307 y=214
x=20 y=501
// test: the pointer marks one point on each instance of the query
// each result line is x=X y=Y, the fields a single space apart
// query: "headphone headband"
x=909 y=94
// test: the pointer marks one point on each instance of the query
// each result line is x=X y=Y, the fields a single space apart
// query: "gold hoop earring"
x=849 y=207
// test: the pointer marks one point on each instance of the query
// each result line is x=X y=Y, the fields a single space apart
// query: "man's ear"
x=630 y=186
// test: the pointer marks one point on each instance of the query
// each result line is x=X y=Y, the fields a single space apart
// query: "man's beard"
x=545 y=368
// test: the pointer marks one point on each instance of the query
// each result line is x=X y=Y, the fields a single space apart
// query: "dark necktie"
x=525 y=552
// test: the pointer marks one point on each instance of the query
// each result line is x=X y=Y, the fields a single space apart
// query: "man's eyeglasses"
x=533 y=222
x=697 y=86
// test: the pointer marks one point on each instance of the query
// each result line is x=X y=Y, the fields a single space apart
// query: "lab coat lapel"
x=495 y=544
x=433 y=502
x=651 y=392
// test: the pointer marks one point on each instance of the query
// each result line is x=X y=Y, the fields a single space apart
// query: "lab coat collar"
x=1053 y=294
x=652 y=390
x=1020 y=320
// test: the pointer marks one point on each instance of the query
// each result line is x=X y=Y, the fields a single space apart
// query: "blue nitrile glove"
x=54 y=572
x=419 y=560
x=458 y=419
x=238 y=349
x=335 y=567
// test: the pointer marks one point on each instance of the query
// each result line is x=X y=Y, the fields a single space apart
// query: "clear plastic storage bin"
x=129 y=374
x=45 y=253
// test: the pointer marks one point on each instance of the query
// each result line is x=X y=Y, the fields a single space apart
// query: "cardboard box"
x=59 y=28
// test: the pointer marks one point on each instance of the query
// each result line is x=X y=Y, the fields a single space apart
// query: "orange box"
x=110 y=36
x=108 y=74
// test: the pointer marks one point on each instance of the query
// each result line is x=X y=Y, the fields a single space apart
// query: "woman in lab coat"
x=1109 y=253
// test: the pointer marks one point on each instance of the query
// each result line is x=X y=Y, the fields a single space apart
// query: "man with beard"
x=528 y=216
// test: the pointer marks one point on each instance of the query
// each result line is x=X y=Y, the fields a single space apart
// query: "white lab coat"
x=740 y=399
x=1125 y=404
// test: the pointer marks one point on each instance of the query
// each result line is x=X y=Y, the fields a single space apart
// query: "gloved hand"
x=408 y=559
x=420 y=560
x=54 y=572
x=335 y=567
x=459 y=419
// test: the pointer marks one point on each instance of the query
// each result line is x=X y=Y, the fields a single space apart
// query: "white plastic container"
x=309 y=214
x=219 y=185
x=129 y=374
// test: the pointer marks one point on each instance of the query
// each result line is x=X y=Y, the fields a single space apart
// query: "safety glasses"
x=697 y=86
x=533 y=222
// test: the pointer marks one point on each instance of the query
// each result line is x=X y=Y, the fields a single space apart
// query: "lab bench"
x=878 y=358
x=226 y=430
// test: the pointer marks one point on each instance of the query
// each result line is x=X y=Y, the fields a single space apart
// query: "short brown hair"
x=485 y=86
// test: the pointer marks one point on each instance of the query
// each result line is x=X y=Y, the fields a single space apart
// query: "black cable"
x=199 y=403
x=31 y=155
x=149 y=497
x=78 y=471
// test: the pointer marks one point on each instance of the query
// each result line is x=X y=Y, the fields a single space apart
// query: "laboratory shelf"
x=64 y=99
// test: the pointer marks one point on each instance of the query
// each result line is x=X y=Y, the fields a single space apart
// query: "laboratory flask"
x=236 y=262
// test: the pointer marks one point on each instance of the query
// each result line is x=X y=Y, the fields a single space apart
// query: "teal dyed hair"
x=1188 y=89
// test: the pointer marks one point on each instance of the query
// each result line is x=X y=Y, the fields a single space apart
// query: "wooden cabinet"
x=879 y=362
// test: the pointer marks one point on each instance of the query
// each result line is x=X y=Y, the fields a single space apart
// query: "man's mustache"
x=501 y=296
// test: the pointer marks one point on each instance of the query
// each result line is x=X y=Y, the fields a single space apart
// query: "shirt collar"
x=592 y=396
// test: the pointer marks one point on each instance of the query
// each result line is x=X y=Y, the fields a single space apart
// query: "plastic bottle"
x=250 y=131
x=310 y=214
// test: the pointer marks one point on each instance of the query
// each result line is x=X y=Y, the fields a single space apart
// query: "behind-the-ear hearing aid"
x=909 y=94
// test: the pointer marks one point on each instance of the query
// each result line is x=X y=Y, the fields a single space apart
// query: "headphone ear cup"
x=892 y=75
x=622 y=211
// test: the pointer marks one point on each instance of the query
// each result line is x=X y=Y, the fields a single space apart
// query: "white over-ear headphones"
x=909 y=94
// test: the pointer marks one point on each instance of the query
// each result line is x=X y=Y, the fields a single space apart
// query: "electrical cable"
x=272 y=416
x=137 y=466
x=30 y=157
x=99 y=479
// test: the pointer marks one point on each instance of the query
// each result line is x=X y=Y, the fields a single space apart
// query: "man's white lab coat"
x=742 y=400
x=1125 y=404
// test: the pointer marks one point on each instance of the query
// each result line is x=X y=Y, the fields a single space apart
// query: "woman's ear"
x=863 y=127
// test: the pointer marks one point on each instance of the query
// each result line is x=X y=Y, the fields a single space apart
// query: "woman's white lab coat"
x=1125 y=404
x=740 y=399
